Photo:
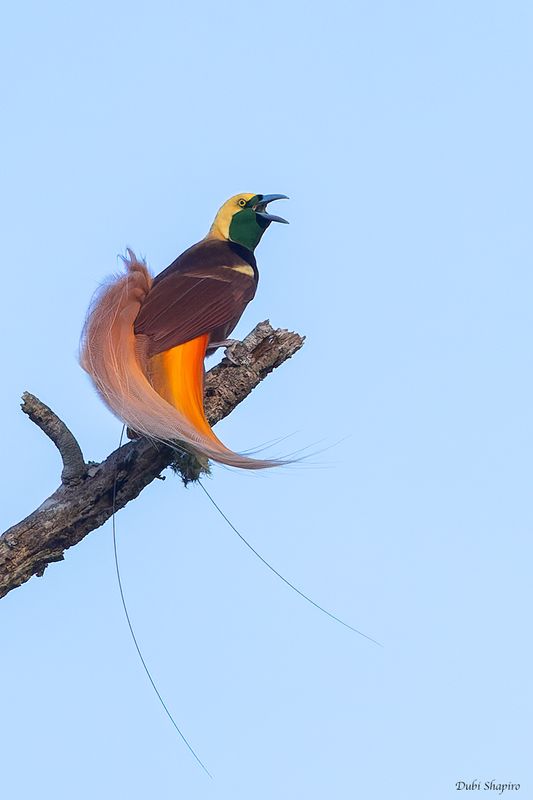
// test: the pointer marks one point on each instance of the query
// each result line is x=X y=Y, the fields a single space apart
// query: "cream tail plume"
x=116 y=360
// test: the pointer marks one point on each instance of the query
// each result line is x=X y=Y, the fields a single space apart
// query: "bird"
x=145 y=338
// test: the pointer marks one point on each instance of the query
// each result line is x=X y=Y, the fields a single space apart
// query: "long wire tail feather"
x=130 y=626
x=280 y=576
x=161 y=397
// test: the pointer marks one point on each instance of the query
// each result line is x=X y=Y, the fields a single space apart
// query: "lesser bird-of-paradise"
x=145 y=339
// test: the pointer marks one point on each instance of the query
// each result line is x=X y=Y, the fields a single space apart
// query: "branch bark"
x=84 y=499
x=74 y=467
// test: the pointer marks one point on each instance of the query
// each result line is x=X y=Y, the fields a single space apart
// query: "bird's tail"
x=159 y=397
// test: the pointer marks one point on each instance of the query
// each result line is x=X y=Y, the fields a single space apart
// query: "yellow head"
x=243 y=219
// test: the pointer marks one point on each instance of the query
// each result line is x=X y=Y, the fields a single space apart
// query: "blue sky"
x=402 y=134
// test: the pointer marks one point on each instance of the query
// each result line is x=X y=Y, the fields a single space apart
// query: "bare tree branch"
x=84 y=499
x=74 y=466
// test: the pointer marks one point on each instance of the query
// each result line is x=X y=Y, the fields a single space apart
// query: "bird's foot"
x=223 y=343
x=228 y=345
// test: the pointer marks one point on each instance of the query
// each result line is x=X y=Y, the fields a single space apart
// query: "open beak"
x=260 y=208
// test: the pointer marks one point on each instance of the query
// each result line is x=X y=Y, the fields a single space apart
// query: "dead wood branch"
x=84 y=499
x=74 y=467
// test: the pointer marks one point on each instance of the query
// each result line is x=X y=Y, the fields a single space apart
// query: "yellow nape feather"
x=220 y=227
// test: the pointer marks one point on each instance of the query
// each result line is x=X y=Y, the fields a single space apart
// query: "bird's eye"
x=242 y=202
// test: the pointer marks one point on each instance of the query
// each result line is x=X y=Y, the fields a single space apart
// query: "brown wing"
x=190 y=299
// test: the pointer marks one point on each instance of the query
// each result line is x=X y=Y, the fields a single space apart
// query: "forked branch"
x=84 y=499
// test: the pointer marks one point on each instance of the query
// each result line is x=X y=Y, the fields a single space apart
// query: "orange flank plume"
x=178 y=376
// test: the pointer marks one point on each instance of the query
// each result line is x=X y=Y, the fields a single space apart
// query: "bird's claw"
x=229 y=355
x=229 y=346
